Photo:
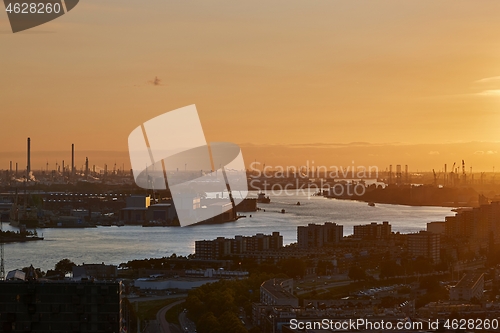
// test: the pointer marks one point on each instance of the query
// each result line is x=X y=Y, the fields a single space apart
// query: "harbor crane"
x=463 y=172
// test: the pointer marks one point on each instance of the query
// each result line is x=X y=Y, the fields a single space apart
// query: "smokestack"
x=72 y=159
x=11 y=168
x=28 y=168
x=445 y=175
x=64 y=170
x=16 y=169
x=86 y=166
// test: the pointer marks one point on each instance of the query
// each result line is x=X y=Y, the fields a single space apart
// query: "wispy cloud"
x=490 y=92
x=434 y=152
x=489 y=79
x=489 y=152
x=488 y=86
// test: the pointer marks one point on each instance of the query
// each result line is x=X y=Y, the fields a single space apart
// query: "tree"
x=324 y=267
x=38 y=271
x=65 y=266
x=231 y=323
x=389 y=269
x=430 y=283
x=356 y=273
x=293 y=267
x=208 y=323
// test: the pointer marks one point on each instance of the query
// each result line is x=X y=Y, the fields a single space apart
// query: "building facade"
x=470 y=286
x=60 y=306
x=373 y=230
x=425 y=244
x=317 y=235
x=222 y=247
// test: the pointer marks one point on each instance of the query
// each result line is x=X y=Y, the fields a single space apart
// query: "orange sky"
x=283 y=72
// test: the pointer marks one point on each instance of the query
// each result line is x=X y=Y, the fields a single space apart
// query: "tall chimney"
x=86 y=166
x=72 y=159
x=28 y=168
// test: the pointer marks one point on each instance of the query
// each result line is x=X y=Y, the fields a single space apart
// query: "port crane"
x=463 y=172
x=452 y=174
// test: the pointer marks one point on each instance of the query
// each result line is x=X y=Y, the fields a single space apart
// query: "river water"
x=114 y=245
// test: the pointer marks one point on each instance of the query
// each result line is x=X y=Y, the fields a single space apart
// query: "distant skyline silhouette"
x=482 y=156
x=411 y=72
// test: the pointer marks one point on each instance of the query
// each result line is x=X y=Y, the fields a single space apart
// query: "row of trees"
x=62 y=268
x=216 y=307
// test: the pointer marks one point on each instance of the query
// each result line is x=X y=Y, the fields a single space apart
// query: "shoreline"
x=19 y=240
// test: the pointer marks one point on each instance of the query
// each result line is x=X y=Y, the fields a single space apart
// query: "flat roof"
x=469 y=280
x=273 y=286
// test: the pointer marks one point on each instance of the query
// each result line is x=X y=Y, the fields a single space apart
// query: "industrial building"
x=140 y=211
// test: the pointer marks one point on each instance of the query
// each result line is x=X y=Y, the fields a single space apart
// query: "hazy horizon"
x=419 y=80
x=481 y=156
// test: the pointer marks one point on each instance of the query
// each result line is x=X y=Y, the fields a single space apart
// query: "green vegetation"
x=215 y=307
x=172 y=315
x=291 y=267
x=356 y=273
x=148 y=309
x=64 y=266
x=435 y=291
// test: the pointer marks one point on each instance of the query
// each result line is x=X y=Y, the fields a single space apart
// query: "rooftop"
x=274 y=287
x=469 y=280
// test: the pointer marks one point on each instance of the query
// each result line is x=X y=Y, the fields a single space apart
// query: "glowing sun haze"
x=404 y=78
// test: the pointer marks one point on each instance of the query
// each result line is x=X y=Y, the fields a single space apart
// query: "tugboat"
x=371 y=204
x=263 y=199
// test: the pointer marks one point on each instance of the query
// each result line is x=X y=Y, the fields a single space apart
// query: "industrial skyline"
x=482 y=156
x=343 y=73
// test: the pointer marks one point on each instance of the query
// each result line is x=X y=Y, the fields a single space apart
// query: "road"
x=323 y=287
x=154 y=297
x=160 y=317
x=187 y=325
